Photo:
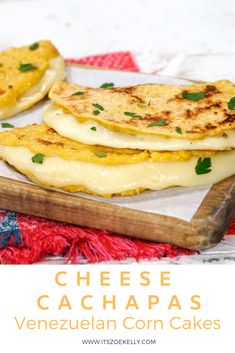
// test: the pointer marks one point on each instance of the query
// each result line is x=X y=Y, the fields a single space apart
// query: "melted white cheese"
x=55 y=71
x=68 y=126
x=102 y=179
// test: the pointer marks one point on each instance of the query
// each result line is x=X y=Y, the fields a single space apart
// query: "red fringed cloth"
x=27 y=239
x=40 y=238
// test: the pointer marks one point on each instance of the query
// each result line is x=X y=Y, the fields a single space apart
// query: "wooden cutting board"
x=205 y=230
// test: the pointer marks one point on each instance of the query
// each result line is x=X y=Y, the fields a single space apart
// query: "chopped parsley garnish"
x=231 y=103
x=78 y=93
x=34 y=46
x=7 y=125
x=26 y=67
x=133 y=115
x=178 y=130
x=38 y=158
x=96 y=112
x=203 y=166
x=157 y=123
x=100 y=154
x=93 y=128
x=193 y=96
x=98 y=106
x=107 y=85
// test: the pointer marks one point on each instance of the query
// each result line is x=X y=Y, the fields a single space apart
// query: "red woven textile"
x=118 y=61
x=40 y=238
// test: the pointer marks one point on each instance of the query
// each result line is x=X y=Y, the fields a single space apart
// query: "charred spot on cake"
x=51 y=131
x=211 y=90
x=166 y=112
x=196 y=129
x=59 y=144
x=44 y=142
x=127 y=90
x=153 y=117
x=230 y=118
x=21 y=137
x=136 y=99
x=133 y=121
x=188 y=114
x=208 y=107
x=217 y=105
x=210 y=126
x=130 y=92
x=194 y=113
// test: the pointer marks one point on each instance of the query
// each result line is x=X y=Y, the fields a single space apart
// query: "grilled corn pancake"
x=55 y=161
x=26 y=75
x=151 y=116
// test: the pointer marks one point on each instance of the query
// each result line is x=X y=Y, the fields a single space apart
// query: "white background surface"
x=82 y=27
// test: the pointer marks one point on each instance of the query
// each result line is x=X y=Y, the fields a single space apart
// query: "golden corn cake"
x=148 y=117
x=27 y=74
x=52 y=160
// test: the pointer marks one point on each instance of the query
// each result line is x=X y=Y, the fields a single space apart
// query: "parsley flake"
x=178 y=130
x=203 y=166
x=93 y=128
x=96 y=112
x=107 y=85
x=193 y=96
x=38 y=158
x=157 y=123
x=98 y=106
x=78 y=93
x=231 y=103
x=7 y=125
x=26 y=67
x=100 y=154
x=133 y=115
x=34 y=46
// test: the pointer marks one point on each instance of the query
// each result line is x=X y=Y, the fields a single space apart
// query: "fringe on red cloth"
x=42 y=238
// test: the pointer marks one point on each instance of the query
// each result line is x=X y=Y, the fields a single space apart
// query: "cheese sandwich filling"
x=92 y=133
x=55 y=71
x=74 y=175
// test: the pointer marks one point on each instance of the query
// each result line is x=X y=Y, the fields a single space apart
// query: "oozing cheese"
x=103 y=180
x=69 y=126
x=56 y=71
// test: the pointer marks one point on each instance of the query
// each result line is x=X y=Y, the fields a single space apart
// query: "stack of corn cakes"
x=119 y=140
